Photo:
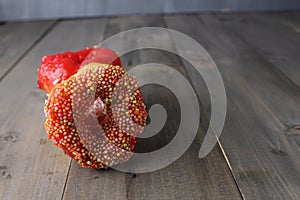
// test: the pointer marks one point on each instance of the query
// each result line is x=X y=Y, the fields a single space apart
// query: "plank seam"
x=71 y=163
x=220 y=144
x=267 y=61
x=131 y=179
x=67 y=178
x=259 y=55
x=230 y=169
x=43 y=35
x=206 y=118
x=269 y=64
x=263 y=56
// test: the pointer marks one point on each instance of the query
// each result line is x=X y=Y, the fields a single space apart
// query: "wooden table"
x=258 y=156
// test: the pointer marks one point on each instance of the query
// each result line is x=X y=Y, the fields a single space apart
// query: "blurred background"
x=45 y=9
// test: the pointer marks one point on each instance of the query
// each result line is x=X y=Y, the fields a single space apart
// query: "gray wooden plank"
x=273 y=36
x=188 y=177
x=261 y=103
x=294 y=18
x=31 y=166
x=277 y=88
x=16 y=39
x=188 y=172
x=94 y=184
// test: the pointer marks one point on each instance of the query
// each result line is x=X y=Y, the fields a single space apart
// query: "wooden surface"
x=17 y=39
x=258 y=156
x=254 y=139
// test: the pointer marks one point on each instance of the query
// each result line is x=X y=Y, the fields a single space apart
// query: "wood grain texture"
x=188 y=177
x=31 y=166
x=94 y=184
x=262 y=156
x=16 y=39
x=274 y=36
x=257 y=57
x=284 y=60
